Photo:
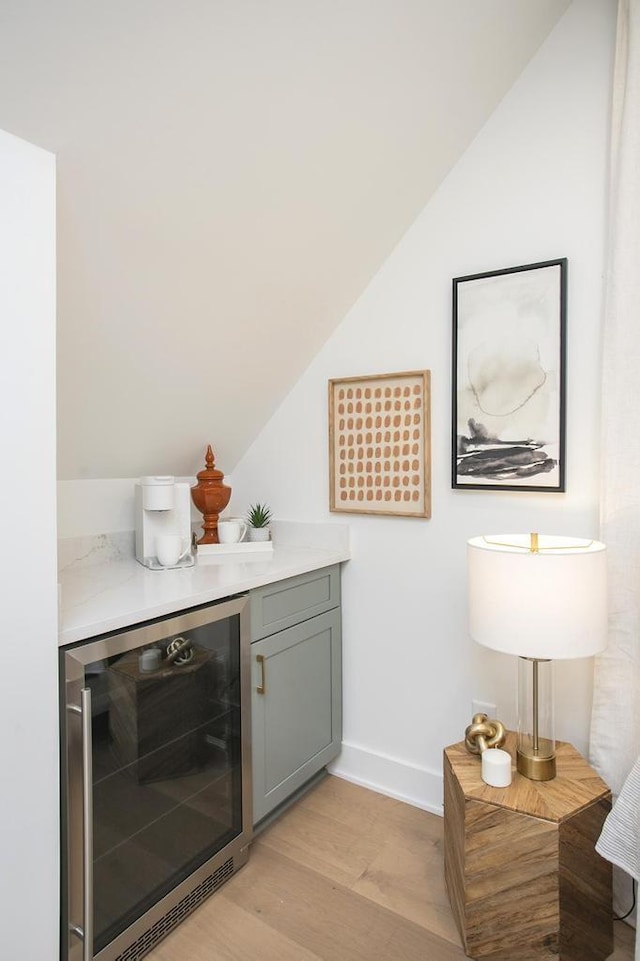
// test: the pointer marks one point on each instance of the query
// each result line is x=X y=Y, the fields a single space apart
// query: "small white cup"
x=170 y=549
x=231 y=530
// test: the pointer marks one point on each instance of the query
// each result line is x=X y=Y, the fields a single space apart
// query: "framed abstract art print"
x=508 y=409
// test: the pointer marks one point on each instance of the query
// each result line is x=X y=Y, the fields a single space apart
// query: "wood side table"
x=523 y=877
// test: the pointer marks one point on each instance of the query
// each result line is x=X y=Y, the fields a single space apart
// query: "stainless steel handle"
x=87 y=824
x=261 y=688
x=85 y=933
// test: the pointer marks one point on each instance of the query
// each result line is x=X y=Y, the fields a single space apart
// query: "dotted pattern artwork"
x=379 y=428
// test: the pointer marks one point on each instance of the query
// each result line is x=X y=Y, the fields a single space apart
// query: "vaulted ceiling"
x=231 y=173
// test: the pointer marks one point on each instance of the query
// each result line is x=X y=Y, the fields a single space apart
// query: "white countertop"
x=117 y=593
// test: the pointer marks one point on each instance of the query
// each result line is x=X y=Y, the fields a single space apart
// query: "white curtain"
x=615 y=728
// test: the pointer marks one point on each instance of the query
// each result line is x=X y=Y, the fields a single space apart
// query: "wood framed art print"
x=508 y=411
x=379 y=444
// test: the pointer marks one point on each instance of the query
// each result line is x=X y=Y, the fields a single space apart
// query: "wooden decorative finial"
x=210 y=497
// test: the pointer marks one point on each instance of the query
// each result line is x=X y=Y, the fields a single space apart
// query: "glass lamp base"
x=536 y=747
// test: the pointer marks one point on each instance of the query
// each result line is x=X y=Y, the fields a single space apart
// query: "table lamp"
x=541 y=598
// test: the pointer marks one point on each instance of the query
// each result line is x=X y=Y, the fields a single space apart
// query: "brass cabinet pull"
x=261 y=688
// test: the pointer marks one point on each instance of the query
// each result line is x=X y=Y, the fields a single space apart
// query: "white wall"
x=224 y=169
x=29 y=813
x=531 y=187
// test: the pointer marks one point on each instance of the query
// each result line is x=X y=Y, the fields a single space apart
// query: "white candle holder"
x=496 y=767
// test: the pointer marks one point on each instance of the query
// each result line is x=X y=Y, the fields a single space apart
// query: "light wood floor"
x=343 y=875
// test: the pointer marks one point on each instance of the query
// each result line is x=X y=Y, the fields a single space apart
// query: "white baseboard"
x=387 y=775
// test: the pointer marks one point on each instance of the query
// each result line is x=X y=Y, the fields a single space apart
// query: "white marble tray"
x=244 y=547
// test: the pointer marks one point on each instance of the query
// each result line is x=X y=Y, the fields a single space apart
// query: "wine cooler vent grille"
x=168 y=921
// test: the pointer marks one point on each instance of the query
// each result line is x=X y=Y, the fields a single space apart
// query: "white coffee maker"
x=162 y=507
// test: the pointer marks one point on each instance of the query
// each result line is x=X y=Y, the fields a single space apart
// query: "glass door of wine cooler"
x=156 y=785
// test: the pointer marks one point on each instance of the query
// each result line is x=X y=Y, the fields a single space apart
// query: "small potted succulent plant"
x=258 y=520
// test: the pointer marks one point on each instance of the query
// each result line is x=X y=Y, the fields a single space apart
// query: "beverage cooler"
x=156 y=777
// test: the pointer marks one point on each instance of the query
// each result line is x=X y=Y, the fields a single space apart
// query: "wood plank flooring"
x=343 y=875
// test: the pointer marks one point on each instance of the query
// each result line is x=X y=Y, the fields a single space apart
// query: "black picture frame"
x=509 y=378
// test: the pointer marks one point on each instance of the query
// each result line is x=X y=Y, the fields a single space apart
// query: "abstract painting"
x=379 y=444
x=509 y=334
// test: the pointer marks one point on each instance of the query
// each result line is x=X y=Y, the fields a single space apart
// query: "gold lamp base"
x=534 y=767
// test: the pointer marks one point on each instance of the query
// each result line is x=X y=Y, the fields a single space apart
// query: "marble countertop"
x=118 y=592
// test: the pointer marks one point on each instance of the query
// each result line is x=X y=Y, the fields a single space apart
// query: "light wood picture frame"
x=380 y=444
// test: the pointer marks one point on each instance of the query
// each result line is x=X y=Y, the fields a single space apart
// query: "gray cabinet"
x=296 y=670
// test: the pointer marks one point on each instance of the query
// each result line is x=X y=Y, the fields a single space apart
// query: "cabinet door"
x=296 y=708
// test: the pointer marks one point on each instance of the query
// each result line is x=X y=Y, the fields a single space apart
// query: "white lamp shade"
x=546 y=604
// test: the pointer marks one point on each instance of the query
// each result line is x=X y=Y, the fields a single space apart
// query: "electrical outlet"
x=484 y=707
